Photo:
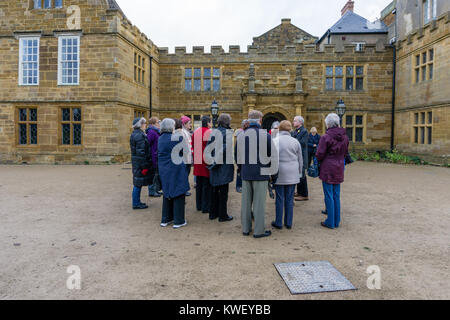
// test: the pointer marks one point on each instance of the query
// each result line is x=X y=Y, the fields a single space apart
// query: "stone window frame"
x=423 y=65
x=42 y=4
x=355 y=126
x=62 y=37
x=139 y=68
x=429 y=11
x=140 y=113
x=422 y=127
x=192 y=77
x=28 y=122
x=21 y=56
x=344 y=76
x=359 y=46
x=71 y=122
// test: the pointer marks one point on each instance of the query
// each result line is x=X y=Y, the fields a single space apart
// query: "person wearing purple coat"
x=153 y=134
x=333 y=147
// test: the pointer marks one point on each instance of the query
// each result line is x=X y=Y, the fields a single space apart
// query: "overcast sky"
x=170 y=23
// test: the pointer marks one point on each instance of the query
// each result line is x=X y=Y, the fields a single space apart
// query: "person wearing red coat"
x=203 y=188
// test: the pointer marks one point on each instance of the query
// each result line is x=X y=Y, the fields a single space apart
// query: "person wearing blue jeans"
x=332 y=194
x=284 y=202
x=331 y=152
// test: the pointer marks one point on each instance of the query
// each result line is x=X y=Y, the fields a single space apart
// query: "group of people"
x=288 y=144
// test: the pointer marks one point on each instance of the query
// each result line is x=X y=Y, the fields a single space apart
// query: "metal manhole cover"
x=313 y=277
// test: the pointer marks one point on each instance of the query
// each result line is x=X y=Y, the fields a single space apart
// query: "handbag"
x=348 y=159
x=313 y=171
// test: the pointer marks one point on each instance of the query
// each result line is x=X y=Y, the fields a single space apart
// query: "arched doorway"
x=270 y=118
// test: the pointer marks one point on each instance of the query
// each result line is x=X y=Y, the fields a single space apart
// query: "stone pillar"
x=299 y=79
x=251 y=79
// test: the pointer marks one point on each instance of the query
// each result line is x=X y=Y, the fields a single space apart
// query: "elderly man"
x=301 y=134
x=254 y=182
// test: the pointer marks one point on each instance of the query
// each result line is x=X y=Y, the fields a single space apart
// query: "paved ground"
x=396 y=217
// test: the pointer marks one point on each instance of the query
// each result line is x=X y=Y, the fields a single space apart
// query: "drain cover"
x=313 y=277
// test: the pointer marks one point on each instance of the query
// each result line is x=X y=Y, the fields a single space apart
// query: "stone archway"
x=270 y=118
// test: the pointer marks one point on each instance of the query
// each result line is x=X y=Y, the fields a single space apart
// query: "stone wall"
x=429 y=95
x=107 y=93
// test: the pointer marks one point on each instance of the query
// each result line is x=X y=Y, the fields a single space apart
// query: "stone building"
x=421 y=29
x=74 y=74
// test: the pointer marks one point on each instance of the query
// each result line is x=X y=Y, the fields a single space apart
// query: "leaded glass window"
x=29 y=61
x=27 y=128
x=71 y=126
x=422 y=127
x=198 y=79
x=69 y=60
x=354 y=126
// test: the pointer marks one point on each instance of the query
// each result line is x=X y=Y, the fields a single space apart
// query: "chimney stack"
x=349 y=6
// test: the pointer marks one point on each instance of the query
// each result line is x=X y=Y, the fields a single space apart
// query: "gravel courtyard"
x=396 y=217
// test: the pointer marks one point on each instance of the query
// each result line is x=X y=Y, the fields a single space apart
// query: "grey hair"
x=255 y=115
x=332 y=121
x=139 y=124
x=167 y=125
x=276 y=124
x=300 y=119
x=224 y=120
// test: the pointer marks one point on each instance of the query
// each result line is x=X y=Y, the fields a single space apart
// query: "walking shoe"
x=239 y=190
x=300 y=198
x=266 y=234
x=166 y=224
x=227 y=219
x=154 y=195
x=212 y=218
x=178 y=226
x=276 y=226
x=271 y=194
x=246 y=234
x=140 y=207
x=188 y=194
x=324 y=225
x=288 y=227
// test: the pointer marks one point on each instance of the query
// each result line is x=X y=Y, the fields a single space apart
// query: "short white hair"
x=300 y=119
x=167 y=125
x=139 y=124
x=332 y=121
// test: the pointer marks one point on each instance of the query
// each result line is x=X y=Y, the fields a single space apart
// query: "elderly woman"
x=221 y=174
x=333 y=147
x=174 y=177
x=313 y=142
x=289 y=174
x=141 y=160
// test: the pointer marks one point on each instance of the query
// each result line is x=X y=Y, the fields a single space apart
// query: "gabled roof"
x=352 y=23
x=284 y=34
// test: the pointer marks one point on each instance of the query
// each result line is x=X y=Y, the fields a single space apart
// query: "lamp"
x=340 y=109
x=215 y=112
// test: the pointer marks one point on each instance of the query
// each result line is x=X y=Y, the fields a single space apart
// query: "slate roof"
x=114 y=6
x=352 y=23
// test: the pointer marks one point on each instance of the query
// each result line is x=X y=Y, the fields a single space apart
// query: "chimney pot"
x=286 y=21
x=349 y=6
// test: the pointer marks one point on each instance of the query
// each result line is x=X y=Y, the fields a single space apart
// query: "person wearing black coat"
x=221 y=174
x=313 y=143
x=141 y=161
x=301 y=134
